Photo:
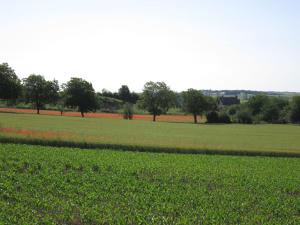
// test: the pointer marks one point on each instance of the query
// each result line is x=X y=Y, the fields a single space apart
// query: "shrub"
x=127 y=111
x=212 y=117
x=284 y=116
x=224 y=118
x=244 y=116
x=270 y=113
x=256 y=103
x=232 y=110
x=215 y=117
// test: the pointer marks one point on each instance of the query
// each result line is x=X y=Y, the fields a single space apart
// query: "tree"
x=256 y=103
x=295 y=109
x=39 y=92
x=81 y=94
x=128 y=111
x=157 y=98
x=134 y=97
x=10 y=85
x=272 y=109
x=270 y=112
x=244 y=116
x=124 y=93
x=107 y=93
x=61 y=102
x=194 y=102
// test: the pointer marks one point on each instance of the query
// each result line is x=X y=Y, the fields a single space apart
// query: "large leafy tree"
x=124 y=93
x=295 y=110
x=194 y=102
x=157 y=98
x=273 y=109
x=10 y=85
x=39 y=91
x=81 y=94
x=256 y=103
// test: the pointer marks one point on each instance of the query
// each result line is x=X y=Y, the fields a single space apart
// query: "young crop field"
x=149 y=136
x=47 y=185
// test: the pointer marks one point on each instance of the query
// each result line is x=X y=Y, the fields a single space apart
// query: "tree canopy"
x=194 y=102
x=10 y=85
x=295 y=110
x=81 y=94
x=157 y=98
x=39 y=92
x=256 y=103
x=124 y=93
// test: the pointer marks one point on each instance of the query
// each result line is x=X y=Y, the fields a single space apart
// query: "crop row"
x=47 y=185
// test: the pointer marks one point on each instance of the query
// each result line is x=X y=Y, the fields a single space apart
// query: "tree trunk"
x=154 y=117
x=195 y=118
x=38 y=110
x=82 y=114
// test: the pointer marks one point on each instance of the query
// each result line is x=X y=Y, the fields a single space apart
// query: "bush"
x=270 y=113
x=224 y=118
x=244 y=116
x=284 y=116
x=212 y=117
x=127 y=111
x=215 y=117
x=232 y=110
x=272 y=110
x=256 y=103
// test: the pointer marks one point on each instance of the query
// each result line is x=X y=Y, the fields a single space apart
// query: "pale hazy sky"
x=212 y=44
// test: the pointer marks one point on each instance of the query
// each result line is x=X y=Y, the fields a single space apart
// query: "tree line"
x=156 y=98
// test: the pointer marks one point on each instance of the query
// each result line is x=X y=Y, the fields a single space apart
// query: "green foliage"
x=272 y=109
x=212 y=117
x=108 y=104
x=45 y=185
x=224 y=118
x=244 y=116
x=233 y=109
x=295 y=110
x=211 y=103
x=284 y=116
x=194 y=102
x=10 y=85
x=157 y=98
x=217 y=117
x=39 y=92
x=261 y=109
x=128 y=111
x=124 y=93
x=270 y=113
x=81 y=94
x=256 y=103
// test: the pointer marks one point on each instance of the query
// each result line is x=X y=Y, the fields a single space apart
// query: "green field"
x=46 y=185
x=171 y=136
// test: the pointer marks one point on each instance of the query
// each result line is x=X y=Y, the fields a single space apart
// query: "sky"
x=201 y=44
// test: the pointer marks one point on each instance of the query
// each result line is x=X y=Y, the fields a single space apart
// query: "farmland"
x=46 y=185
x=283 y=139
x=147 y=117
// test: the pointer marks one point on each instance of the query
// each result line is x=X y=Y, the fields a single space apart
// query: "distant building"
x=227 y=101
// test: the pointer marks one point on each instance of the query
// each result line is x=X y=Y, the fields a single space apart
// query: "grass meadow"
x=150 y=136
x=48 y=185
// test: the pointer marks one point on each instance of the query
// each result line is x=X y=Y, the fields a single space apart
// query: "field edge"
x=138 y=148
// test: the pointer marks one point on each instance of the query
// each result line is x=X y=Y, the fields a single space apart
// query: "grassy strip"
x=136 y=148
